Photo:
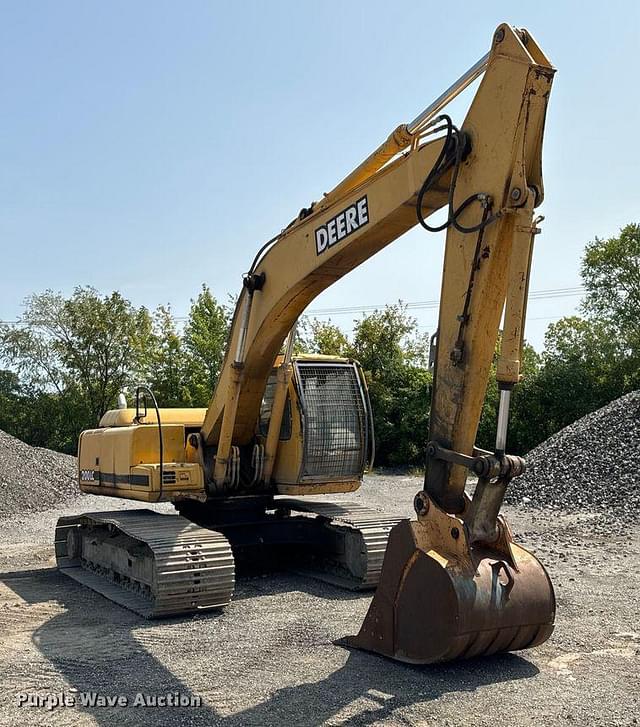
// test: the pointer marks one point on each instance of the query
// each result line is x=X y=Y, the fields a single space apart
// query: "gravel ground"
x=269 y=658
x=33 y=479
x=593 y=463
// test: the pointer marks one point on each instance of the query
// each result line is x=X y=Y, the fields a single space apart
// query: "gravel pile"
x=593 y=464
x=33 y=479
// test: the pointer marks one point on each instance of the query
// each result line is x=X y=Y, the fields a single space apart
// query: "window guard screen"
x=334 y=420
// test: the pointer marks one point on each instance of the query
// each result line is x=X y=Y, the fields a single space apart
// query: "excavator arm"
x=491 y=166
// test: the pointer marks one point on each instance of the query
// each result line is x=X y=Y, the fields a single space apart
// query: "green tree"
x=580 y=372
x=391 y=353
x=611 y=274
x=168 y=370
x=10 y=400
x=393 y=357
x=74 y=355
x=205 y=339
x=401 y=403
x=328 y=339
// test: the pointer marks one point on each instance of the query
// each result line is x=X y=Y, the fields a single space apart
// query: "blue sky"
x=149 y=147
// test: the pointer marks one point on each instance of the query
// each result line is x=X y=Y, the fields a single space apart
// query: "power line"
x=548 y=294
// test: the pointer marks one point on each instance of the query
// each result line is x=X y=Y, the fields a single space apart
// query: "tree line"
x=68 y=358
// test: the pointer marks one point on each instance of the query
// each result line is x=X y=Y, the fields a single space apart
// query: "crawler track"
x=360 y=535
x=156 y=565
x=165 y=565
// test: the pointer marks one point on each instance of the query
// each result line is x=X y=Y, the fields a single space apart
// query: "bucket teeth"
x=433 y=604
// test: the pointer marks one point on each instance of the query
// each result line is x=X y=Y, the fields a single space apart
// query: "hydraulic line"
x=455 y=149
x=147 y=389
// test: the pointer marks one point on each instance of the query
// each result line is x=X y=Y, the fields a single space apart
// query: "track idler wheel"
x=439 y=599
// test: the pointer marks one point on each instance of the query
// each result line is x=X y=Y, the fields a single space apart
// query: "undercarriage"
x=166 y=565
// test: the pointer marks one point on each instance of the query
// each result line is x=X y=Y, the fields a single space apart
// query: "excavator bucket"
x=439 y=599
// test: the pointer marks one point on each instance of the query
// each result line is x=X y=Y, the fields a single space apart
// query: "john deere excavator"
x=451 y=583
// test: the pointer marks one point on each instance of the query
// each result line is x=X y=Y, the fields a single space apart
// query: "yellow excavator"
x=451 y=583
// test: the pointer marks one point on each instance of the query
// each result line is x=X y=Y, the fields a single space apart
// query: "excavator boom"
x=375 y=205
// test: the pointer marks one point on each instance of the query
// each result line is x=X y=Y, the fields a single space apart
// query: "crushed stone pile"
x=33 y=479
x=592 y=464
